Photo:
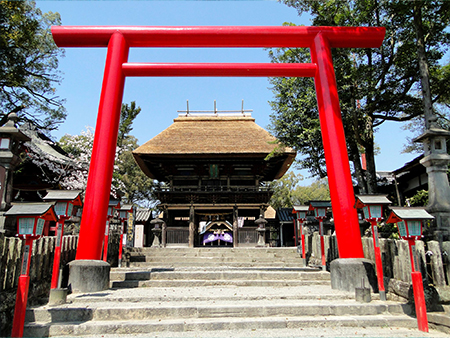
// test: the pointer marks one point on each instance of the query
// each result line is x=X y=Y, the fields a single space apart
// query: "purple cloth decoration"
x=211 y=237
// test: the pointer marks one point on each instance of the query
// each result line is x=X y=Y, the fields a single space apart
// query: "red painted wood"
x=219 y=36
x=378 y=261
x=93 y=221
x=419 y=300
x=22 y=292
x=220 y=69
x=339 y=179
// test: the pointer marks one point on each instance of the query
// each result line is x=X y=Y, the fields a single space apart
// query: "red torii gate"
x=119 y=39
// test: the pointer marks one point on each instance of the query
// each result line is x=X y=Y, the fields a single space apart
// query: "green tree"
x=131 y=180
x=375 y=85
x=420 y=199
x=318 y=190
x=283 y=190
x=28 y=65
x=127 y=116
x=288 y=192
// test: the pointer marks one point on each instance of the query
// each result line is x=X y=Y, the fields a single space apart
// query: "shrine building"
x=215 y=169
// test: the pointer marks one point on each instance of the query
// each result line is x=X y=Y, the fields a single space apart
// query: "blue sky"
x=160 y=98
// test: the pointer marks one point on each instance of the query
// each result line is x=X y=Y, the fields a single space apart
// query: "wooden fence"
x=11 y=250
x=433 y=259
x=434 y=262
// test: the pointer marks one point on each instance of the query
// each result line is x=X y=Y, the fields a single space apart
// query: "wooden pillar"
x=191 y=226
x=164 y=235
x=235 y=227
x=164 y=228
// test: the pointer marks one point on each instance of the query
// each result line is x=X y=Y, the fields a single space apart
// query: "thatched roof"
x=211 y=135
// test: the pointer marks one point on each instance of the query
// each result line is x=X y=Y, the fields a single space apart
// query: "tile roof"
x=62 y=194
x=143 y=215
x=285 y=214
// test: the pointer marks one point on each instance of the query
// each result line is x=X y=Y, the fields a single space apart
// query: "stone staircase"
x=213 y=257
x=217 y=292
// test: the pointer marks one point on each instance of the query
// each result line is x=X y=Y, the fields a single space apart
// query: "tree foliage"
x=288 y=192
x=127 y=116
x=28 y=65
x=138 y=188
x=283 y=190
x=374 y=85
x=128 y=179
x=420 y=199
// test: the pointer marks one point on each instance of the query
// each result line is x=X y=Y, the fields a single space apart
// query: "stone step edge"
x=216 y=277
x=216 y=324
x=207 y=298
x=212 y=256
x=205 y=248
x=151 y=312
x=281 y=269
x=200 y=283
x=165 y=265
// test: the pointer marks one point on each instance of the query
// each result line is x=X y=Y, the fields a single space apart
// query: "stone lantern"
x=372 y=206
x=112 y=207
x=31 y=218
x=11 y=139
x=124 y=212
x=320 y=213
x=157 y=223
x=261 y=229
x=436 y=160
x=301 y=211
x=409 y=223
x=64 y=201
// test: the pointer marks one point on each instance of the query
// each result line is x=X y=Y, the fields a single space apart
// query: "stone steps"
x=214 y=257
x=204 y=283
x=152 y=310
x=174 y=301
x=215 y=250
x=120 y=278
x=163 y=263
x=126 y=311
x=229 y=274
x=215 y=260
x=222 y=324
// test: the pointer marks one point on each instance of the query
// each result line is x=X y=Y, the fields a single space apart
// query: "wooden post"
x=235 y=227
x=191 y=226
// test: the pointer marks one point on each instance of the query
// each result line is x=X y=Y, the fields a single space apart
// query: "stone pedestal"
x=261 y=237
x=261 y=222
x=156 y=233
x=347 y=274
x=88 y=275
